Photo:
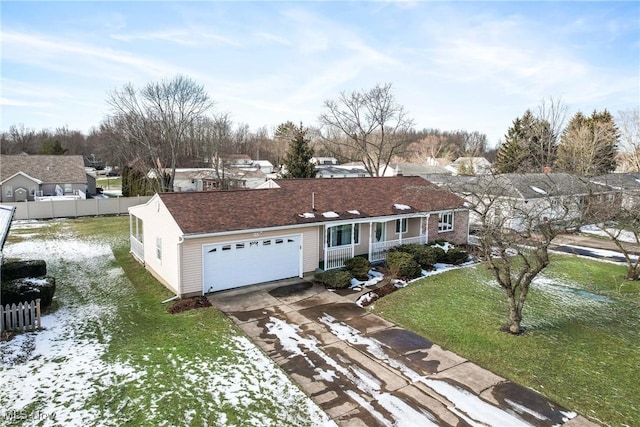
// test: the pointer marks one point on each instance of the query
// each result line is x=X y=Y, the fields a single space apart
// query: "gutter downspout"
x=180 y=253
x=179 y=293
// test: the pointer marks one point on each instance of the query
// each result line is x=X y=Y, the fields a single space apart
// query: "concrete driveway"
x=365 y=371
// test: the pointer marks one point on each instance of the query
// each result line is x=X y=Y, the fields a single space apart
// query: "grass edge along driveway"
x=112 y=355
x=582 y=346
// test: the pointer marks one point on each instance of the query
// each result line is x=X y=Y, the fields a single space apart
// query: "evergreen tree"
x=297 y=160
x=512 y=151
x=589 y=145
x=52 y=147
x=134 y=183
x=529 y=146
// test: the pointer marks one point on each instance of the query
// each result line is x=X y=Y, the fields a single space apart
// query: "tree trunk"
x=515 y=316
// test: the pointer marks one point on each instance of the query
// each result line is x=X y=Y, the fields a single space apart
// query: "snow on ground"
x=371 y=395
x=60 y=370
x=625 y=236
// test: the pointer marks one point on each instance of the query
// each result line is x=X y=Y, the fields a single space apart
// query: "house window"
x=401 y=225
x=8 y=191
x=340 y=235
x=138 y=230
x=68 y=188
x=445 y=221
x=159 y=248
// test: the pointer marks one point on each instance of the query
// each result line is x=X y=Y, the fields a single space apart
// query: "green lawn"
x=582 y=350
x=111 y=354
x=109 y=183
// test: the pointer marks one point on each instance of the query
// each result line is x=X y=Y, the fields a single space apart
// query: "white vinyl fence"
x=24 y=316
x=75 y=208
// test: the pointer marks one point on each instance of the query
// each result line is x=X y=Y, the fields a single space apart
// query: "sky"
x=452 y=65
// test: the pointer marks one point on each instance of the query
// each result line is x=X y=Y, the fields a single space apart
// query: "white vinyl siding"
x=192 y=268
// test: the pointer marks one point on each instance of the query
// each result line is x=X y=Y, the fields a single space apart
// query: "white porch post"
x=353 y=242
x=370 y=239
x=426 y=237
x=325 y=245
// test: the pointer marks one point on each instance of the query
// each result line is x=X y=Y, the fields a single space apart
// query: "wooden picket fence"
x=24 y=316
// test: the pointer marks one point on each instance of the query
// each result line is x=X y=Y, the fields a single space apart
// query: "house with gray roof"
x=556 y=197
x=25 y=177
x=413 y=169
x=627 y=184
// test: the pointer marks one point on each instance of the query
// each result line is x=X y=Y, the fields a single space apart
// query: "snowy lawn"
x=582 y=346
x=110 y=354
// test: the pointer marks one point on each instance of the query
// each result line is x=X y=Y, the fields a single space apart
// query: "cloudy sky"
x=453 y=65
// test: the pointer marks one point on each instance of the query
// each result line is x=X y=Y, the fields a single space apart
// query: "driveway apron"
x=365 y=371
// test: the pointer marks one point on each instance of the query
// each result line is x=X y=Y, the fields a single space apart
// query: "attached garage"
x=246 y=262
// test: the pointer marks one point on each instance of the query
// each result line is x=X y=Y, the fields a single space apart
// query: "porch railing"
x=379 y=249
x=335 y=257
x=137 y=248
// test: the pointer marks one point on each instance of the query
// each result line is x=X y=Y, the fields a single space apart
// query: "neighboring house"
x=470 y=166
x=265 y=166
x=25 y=177
x=207 y=179
x=324 y=161
x=626 y=184
x=340 y=171
x=413 y=169
x=438 y=161
x=546 y=197
x=196 y=243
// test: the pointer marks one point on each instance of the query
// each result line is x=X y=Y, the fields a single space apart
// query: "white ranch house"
x=197 y=243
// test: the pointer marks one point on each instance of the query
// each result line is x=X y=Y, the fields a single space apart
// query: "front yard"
x=110 y=354
x=582 y=345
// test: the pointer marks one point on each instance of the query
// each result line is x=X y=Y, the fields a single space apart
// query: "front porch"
x=342 y=241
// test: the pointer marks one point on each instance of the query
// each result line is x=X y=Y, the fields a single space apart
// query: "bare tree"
x=20 y=140
x=629 y=125
x=552 y=115
x=153 y=122
x=589 y=145
x=515 y=234
x=373 y=124
x=619 y=220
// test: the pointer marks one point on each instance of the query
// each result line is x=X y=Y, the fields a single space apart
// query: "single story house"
x=470 y=166
x=517 y=199
x=25 y=177
x=340 y=171
x=413 y=169
x=626 y=184
x=197 y=243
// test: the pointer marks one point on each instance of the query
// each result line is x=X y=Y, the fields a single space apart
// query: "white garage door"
x=241 y=263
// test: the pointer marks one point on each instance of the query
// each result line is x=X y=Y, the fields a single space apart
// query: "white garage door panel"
x=236 y=264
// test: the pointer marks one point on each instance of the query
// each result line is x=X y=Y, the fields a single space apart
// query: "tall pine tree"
x=589 y=145
x=297 y=161
x=529 y=146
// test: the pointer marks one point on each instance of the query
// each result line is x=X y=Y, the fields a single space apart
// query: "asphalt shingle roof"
x=525 y=186
x=211 y=212
x=46 y=168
